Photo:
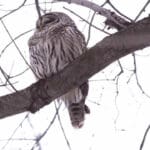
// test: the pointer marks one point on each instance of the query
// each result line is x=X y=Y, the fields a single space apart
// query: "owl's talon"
x=86 y=109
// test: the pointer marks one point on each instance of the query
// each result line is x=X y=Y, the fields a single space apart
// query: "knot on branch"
x=116 y=22
x=39 y=95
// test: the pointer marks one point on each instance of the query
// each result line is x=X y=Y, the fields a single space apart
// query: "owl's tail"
x=75 y=102
x=77 y=113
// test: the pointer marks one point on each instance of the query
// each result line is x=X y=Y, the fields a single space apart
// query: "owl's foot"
x=86 y=109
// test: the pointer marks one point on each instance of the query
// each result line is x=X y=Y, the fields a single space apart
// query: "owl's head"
x=54 y=19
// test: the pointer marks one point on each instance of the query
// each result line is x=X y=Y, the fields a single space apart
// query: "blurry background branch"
x=144 y=137
x=110 y=49
x=38 y=8
x=112 y=17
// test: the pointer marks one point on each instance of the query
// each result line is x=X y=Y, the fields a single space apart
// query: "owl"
x=55 y=43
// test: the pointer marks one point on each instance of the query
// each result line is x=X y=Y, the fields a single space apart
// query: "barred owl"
x=55 y=43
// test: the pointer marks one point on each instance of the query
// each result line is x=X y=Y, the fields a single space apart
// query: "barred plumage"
x=55 y=43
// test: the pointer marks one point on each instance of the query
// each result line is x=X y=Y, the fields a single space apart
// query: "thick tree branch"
x=110 y=49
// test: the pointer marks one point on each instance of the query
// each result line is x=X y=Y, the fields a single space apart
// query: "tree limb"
x=111 y=16
x=110 y=49
x=144 y=137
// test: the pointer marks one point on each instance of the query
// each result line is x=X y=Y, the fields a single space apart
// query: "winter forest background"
x=119 y=96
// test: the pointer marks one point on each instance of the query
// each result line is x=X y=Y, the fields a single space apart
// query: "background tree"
x=119 y=95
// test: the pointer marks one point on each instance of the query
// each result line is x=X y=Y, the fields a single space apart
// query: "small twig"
x=40 y=3
x=19 y=74
x=7 y=79
x=117 y=92
x=18 y=49
x=136 y=76
x=86 y=20
x=94 y=102
x=18 y=139
x=121 y=70
x=38 y=139
x=104 y=3
x=119 y=11
x=8 y=140
x=62 y=128
x=89 y=31
x=130 y=77
x=116 y=106
x=14 y=39
x=14 y=10
x=142 y=10
x=88 y=17
x=38 y=8
x=144 y=138
x=100 y=10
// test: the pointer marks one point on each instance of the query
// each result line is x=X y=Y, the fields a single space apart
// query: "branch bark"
x=110 y=49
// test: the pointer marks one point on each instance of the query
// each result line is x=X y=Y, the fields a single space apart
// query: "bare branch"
x=144 y=138
x=74 y=13
x=142 y=10
x=110 y=49
x=18 y=49
x=136 y=77
x=89 y=30
x=14 y=39
x=62 y=128
x=14 y=10
x=110 y=3
x=10 y=138
x=7 y=79
x=39 y=138
x=120 y=72
x=102 y=11
x=38 y=8
x=117 y=77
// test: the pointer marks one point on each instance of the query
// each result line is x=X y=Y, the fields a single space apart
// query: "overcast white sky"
x=114 y=123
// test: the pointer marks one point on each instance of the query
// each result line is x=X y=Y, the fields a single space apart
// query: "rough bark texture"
x=135 y=37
